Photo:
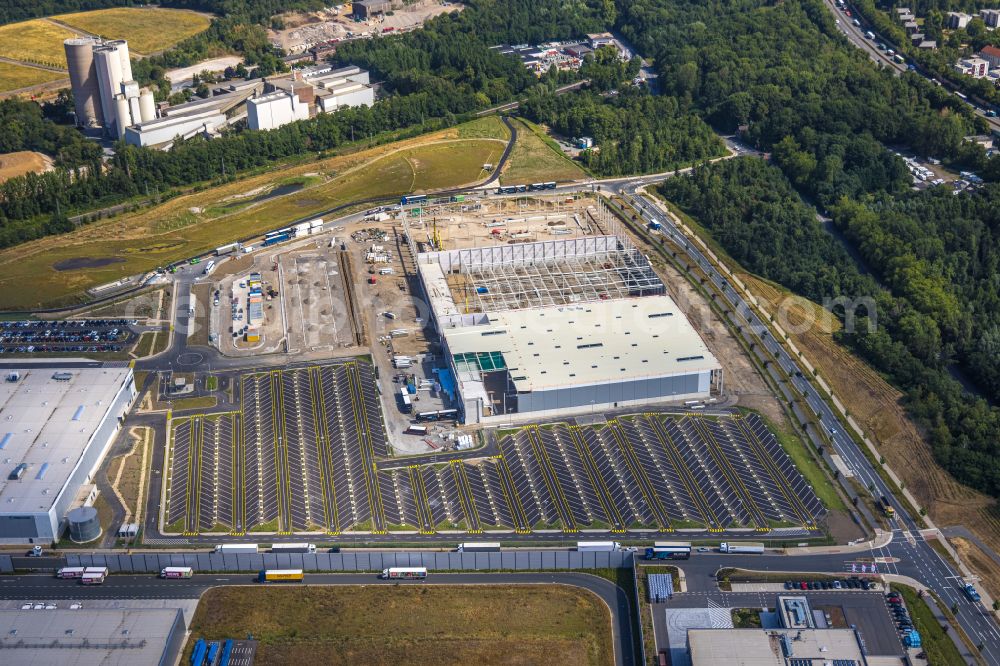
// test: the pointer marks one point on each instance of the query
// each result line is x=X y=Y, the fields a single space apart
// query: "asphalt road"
x=49 y=588
x=915 y=556
x=856 y=35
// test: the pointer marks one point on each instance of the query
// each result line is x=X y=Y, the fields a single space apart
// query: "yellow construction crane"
x=436 y=237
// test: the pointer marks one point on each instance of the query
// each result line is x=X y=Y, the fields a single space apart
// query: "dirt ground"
x=303 y=30
x=983 y=564
x=20 y=163
x=742 y=379
x=213 y=65
x=878 y=409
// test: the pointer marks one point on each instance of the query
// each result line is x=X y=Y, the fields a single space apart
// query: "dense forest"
x=826 y=121
x=635 y=132
x=750 y=208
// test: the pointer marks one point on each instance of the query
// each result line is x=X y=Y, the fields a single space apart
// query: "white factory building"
x=318 y=89
x=107 y=97
x=275 y=109
x=555 y=328
x=104 y=93
x=57 y=422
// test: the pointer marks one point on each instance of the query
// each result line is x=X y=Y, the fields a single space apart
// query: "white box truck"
x=746 y=547
x=232 y=548
x=479 y=547
x=293 y=548
x=176 y=572
x=597 y=546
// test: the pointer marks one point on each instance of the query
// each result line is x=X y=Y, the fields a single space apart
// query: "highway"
x=856 y=35
x=38 y=587
x=915 y=556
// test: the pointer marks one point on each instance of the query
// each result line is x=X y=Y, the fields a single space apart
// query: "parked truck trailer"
x=597 y=546
x=745 y=547
x=232 y=548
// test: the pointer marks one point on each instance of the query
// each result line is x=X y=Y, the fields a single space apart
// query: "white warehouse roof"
x=90 y=636
x=47 y=424
x=586 y=343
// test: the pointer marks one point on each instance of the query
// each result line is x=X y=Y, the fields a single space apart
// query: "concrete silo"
x=123 y=116
x=121 y=46
x=83 y=79
x=147 y=106
x=109 y=80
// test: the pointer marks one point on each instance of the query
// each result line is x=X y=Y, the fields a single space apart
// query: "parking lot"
x=65 y=335
x=298 y=457
x=308 y=440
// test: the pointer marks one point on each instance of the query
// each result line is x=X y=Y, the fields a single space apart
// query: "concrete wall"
x=631 y=391
x=175 y=641
x=351 y=561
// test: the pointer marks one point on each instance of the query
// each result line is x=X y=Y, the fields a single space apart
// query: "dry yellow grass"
x=39 y=41
x=15 y=77
x=20 y=163
x=411 y=624
x=197 y=222
x=147 y=29
x=877 y=407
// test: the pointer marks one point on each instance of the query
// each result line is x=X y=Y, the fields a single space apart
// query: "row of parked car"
x=67 y=335
x=853 y=583
x=32 y=349
x=899 y=613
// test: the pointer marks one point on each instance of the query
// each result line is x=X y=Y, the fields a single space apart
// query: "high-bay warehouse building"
x=57 y=423
x=560 y=327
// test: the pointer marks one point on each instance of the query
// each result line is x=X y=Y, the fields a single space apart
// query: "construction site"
x=546 y=309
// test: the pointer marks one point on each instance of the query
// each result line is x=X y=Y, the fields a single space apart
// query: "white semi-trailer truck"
x=746 y=547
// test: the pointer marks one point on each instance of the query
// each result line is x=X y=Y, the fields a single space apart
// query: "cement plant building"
x=104 y=93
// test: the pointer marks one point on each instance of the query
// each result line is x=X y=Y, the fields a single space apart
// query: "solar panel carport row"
x=312 y=440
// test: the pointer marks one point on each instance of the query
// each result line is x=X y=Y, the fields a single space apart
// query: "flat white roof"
x=47 y=423
x=87 y=636
x=762 y=647
x=589 y=343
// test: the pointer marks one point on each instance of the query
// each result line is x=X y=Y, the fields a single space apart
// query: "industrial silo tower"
x=83 y=79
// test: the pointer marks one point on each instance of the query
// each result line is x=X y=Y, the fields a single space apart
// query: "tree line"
x=826 y=120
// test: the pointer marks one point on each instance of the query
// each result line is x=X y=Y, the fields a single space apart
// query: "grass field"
x=147 y=29
x=411 y=624
x=536 y=159
x=198 y=222
x=13 y=77
x=37 y=41
x=25 y=161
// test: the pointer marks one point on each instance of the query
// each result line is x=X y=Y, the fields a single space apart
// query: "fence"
x=522 y=560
